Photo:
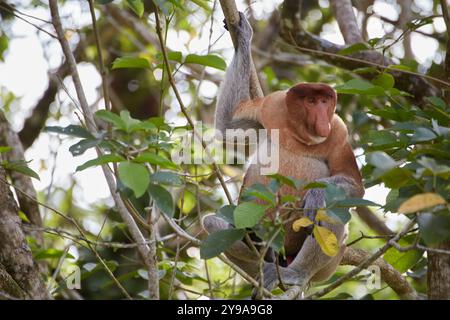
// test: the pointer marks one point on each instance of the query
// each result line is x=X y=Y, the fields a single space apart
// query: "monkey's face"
x=311 y=107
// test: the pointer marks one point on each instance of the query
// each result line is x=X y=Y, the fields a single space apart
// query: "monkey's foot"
x=288 y=276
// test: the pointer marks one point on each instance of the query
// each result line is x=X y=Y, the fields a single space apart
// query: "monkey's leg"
x=309 y=261
x=326 y=272
x=239 y=253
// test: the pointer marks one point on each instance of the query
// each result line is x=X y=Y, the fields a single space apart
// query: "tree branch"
x=295 y=35
x=346 y=19
x=446 y=15
x=393 y=278
x=136 y=234
x=373 y=221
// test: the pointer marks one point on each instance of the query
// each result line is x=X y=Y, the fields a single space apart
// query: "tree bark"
x=15 y=255
x=392 y=277
x=439 y=274
x=21 y=181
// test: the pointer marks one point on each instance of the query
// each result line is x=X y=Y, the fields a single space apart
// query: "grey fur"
x=236 y=85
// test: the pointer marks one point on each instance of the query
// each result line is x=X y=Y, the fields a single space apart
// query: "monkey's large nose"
x=323 y=128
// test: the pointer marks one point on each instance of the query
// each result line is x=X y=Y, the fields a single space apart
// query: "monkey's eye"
x=311 y=100
x=324 y=100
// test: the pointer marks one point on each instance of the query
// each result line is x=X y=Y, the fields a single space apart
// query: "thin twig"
x=370 y=63
x=101 y=63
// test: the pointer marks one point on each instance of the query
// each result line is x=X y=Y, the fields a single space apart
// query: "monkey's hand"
x=243 y=30
x=288 y=276
x=314 y=199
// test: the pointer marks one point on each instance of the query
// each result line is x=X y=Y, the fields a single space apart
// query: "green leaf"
x=3 y=46
x=356 y=202
x=4 y=149
x=381 y=138
x=104 y=159
x=314 y=185
x=403 y=261
x=112 y=118
x=248 y=214
x=400 y=67
x=21 y=167
x=360 y=46
x=358 y=86
x=51 y=254
x=434 y=227
x=173 y=56
x=219 y=241
x=227 y=213
x=163 y=199
x=374 y=41
x=294 y=183
x=423 y=134
x=437 y=102
x=396 y=177
x=165 y=5
x=433 y=168
x=384 y=80
x=137 y=6
x=104 y=1
x=85 y=144
x=142 y=126
x=131 y=62
x=339 y=214
x=130 y=123
x=156 y=159
x=202 y=3
x=134 y=176
x=334 y=193
x=209 y=60
x=71 y=130
x=364 y=70
x=381 y=160
x=167 y=178
x=261 y=192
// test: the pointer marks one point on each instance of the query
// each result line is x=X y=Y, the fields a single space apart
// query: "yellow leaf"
x=323 y=216
x=326 y=240
x=188 y=201
x=420 y=202
x=301 y=223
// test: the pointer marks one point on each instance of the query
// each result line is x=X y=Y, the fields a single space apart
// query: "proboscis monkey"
x=313 y=146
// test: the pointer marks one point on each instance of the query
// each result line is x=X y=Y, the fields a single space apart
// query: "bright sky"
x=24 y=73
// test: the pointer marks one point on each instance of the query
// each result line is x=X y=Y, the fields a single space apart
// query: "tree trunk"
x=439 y=274
x=15 y=255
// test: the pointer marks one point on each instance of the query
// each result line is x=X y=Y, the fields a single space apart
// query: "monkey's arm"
x=342 y=164
x=235 y=87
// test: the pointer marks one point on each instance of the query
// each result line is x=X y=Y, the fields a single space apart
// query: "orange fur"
x=299 y=157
